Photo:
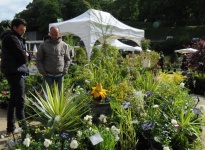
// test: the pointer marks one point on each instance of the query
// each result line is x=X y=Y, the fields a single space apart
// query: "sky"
x=8 y=8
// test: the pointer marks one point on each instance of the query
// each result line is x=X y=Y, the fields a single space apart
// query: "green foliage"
x=175 y=78
x=146 y=82
x=108 y=139
x=81 y=57
x=70 y=40
x=145 y=44
x=107 y=72
x=96 y=55
x=157 y=99
x=116 y=91
x=59 y=111
x=50 y=12
x=123 y=11
x=4 y=91
x=127 y=132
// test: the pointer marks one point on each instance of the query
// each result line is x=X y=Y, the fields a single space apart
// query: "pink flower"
x=68 y=90
x=176 y=126
x=4 y=92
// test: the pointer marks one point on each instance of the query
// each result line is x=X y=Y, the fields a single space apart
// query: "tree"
x=128 y=11
x=40 y=13
x=31 y=14
x=5 y=24
x=49 y=13
x=71 y=9
x=197 y=59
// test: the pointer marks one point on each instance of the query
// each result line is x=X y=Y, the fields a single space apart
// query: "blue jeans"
x=16 y=102
x=50 y=80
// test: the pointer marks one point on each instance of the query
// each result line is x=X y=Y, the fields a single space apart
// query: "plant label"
x=96 y=138
x=67 y=135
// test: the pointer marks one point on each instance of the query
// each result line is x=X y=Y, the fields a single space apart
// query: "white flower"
x=87 y=117
x=107 y=129
x=115 y=131
x=74 y=144
x=135 y=122
x=87 y=81
x=47 y=143
x=174 y=122
x=137 y=93
x=90 y=122
x=102 y=118
x=166 y=148
x=28 y=135
x=79 y=133
x=26 y=142
x=155 y=106
x=117 y=138
x=202 y=108
x=182 y=85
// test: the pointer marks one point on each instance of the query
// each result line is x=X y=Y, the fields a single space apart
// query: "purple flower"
x=148 y=94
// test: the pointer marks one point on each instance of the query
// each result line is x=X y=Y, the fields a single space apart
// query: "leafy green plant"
x=81 y=57
x=127 y=136
x=145 y=44
x=146 y=82
x=4 y=91
x=59 y=111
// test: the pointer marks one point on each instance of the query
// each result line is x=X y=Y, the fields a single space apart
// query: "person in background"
x=14 y=68
x=161 y=61
x=184 y=65
x=72 y=54
x=53 y=59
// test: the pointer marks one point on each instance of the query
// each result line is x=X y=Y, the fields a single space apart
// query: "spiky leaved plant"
x=60 y=111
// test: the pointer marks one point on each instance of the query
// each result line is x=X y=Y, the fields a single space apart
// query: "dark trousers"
x=16 y=102
x=50 y=80
x=162 y=67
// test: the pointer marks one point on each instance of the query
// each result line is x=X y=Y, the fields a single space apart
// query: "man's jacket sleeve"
x=39 y=60
x=67 y=58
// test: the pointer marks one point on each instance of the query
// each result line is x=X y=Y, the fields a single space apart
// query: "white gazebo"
x=98 y=25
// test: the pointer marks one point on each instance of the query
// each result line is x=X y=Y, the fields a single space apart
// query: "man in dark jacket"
x=13 y=66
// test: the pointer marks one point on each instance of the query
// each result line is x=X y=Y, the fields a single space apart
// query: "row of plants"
x=113 y=103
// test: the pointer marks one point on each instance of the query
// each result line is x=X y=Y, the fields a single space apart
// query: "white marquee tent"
x=96 y=25
x=124 y=47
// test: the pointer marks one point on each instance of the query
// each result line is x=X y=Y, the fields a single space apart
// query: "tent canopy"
x=123 y=46
x=95 y=25
x=186 y=50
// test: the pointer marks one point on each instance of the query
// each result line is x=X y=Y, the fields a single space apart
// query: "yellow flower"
x=98 y=91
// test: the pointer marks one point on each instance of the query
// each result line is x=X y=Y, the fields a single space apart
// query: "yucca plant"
x=59 y=111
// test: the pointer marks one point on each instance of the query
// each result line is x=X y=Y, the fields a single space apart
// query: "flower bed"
x=147 y=110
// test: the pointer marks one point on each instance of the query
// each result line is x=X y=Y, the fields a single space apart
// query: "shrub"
x=197 y=59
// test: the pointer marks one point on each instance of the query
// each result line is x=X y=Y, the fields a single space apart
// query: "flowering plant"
x=98 y=92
